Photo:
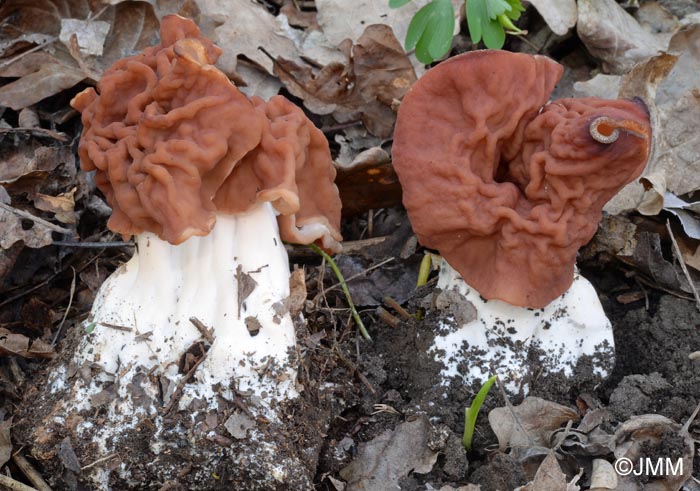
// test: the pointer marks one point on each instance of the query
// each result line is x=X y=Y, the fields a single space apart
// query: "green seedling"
x=431 y=29
x=344 y=286
x=424 y=270
x=472 y=412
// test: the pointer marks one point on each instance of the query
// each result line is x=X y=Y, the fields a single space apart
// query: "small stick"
x=31 y=473
x=65 y=314
x=397 y=307
x=36 y=219
x=679 y=256
x=181 y=384
x=99 y=461
x=204 y=330
x=115 y=326
x=353 y=368
x=37 y=132
x=387 y=317
x=12 y=485
x=92 y=245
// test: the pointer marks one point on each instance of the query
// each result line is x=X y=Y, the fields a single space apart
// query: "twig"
x=13 y=485
x=99 y=461
x=343 y=284
x=679 y=256
x=397 y=308
x=65 y=314
x=92 y=245
x=31 y=473
x=686 y=427
x=181 y=384
x=204 y=330
x=356 y=371
x=56 y=135
x=387 y=317
x=36 y=219
x=29 y=51
x=117 y=327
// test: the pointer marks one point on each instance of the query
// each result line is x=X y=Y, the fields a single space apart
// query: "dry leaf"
x=132 y=26
x=649 y=258
x=5 y=441
x=549 y=477
x=614 y=36
x=62 y=205
x=638 y=436
x=381 y=462
x=603 y=476
x=560 y=15
x=14 y=228
x=12 y=344
x=536 y=420
x=240 y=27
x=375 y=73
x=90 y=34
x=342 y=20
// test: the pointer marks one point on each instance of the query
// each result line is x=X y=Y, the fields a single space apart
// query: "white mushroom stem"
x=234 y=280
x=497 y=338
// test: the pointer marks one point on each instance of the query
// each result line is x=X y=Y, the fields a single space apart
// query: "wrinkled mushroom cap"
x=173 y=142
x=505 y=187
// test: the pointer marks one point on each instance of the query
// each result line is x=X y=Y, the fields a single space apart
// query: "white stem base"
x=501 y=336
x=235 y=281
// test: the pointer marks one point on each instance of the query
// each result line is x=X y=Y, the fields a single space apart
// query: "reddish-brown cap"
x=506 y=188
x=172 y=142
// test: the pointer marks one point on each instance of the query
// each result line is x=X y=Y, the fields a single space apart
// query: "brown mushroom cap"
x=173 y=142
x=505 y=189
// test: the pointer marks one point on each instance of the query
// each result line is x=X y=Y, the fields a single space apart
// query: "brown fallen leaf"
x=549 y=477
x=375 y=73
x=37 y=24
x=655 y=435
x=529 y=424
x=62 y=206
x=614 y=36
x=12 y=344
x=381 y=462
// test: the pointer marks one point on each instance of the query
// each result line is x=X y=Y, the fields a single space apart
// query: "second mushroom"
x=507 y=187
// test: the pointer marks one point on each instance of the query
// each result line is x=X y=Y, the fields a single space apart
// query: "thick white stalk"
x=502 y=338
x=235 y=281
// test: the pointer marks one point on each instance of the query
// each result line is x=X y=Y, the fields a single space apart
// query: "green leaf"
x=472 y=412
x=476 y=17
x=516 y=8
x=430 y=31
x=494 y=34
x=494 y=8
x=89 y=328
x=394 y=4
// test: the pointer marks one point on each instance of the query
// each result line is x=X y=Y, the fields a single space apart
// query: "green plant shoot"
x=430 y=31
x=490 y=19
x=472 y=412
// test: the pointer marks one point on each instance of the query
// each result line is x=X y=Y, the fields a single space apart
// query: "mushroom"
x=209 y=183
x=507 y=187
